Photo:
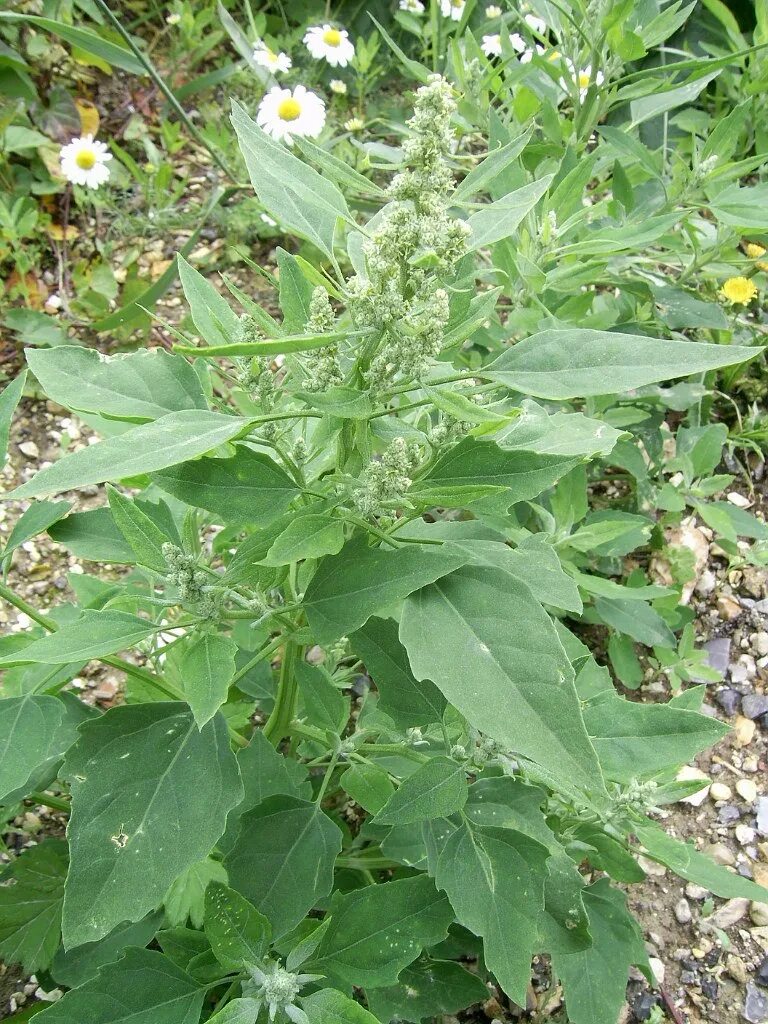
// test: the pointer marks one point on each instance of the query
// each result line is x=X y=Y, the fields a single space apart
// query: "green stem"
x=50 y=801
x=279 y=722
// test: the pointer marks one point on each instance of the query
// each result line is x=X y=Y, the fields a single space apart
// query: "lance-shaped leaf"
x=349 y=587
x=494 y=878
x=207 y=666
x=150 y=797
x=376 y=931
x=38 y=517
x=595 y=979
x=498 y=220
x=239 y=935
x=408 y=701
x=212 y=315
x=173 y=438
x=246 y=488
x=144 y=987
x=139 y=386
x=436 y=790
x=10 y=397
x=144 y=536
x=484 y=640
x=92 y=634
x=30 y=908
x=302 y=200
x=428 y=988
x=580 y=362
x=282 y=859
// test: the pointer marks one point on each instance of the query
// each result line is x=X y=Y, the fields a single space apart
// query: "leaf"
x=93 y=535
x=75 y=967
x=595 y=979
x=376 y=931
x=309 y=536
x=38 y=517
x=578 y=363
x=329 y=1006
x=498 y=220
x=92 y=634
x=30 y=907
x=428 y=988
x=436 y=790
x=185 y=899
x=282 y=859
x=368 y=785
x=173 y=438
x=138 y=386
x=490 y=167
x=293 y=192
x=635 y=619
x=661 y=100
x=559 y=433
x=248 y=487
x=408 y=702
x=9 y=399
x=328 y=708
x=84 y=39
x=471 y=462
x=494 y=878
x=144 y=987
x=515 y=685
x=212 y=315
x=295 y=293
x=35 y=730
x=150 y=796
x=144 y=537
x=346 y=403
x=742 y=206
x=239 y=935
x=685 y=860
x=349 y=587
x=207 y=666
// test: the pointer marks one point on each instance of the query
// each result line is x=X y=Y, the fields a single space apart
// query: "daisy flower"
x=354 y=124
x=274 y=62
x=583 y=78
x=336 y=85
x=84 y=162
x=535 y=24
x=412 y=6
x=331 y=44
x=285 y=114
x=738 y=290
x=491 y=46
x=492 y=11
x=452 y=9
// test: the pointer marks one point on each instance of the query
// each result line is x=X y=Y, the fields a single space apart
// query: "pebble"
x=719 y=791
x=728 y=608
x=728 y=700
x=735 y=967
x=687 y=774
x=760 y=643
x=761 y=974
x=706 y=583
x=696 y=892
x=747 y=790
x=709 y=988
x=683 y=911
x=658 y=968
x=728 y=915
x=745 y=835
x=754 y=705
x=743 y=731
x=755 y=1005
x=719 y=653
x=30 y=449
x=758 y=913
x=762 y=815
x=721 y=854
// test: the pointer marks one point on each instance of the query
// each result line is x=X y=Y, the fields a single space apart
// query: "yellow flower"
x=754 y=251
x=738 y=289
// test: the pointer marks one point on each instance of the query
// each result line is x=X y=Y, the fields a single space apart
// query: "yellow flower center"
x=739 y=289
x=553 y=56
x=457 y=3
x=85 y=159
x=332 y=36
x=583 y=80
x=271 y=56
x=754 y=251
x=289 y=109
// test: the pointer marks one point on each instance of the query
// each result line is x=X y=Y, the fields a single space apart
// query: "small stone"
x=709 y=987
x=728 y=813
x=760 y=643
x=747 y=790
x=687 y=774
x=683 y=911
x=735 y=967
x=30 y=449
x=658 y=968
x=719 y=653
x=755 y=1005
x=651 y=867
x=762 y=815
x=745 y=835
x=761 y=974
x=728 y=915
x=743 y=731
x=696 y=892
x=719 y=791
x=721 y=854
x=728 y=700
x=739 y=500
x=754 y=705
x=758 y=913
x=728 y=608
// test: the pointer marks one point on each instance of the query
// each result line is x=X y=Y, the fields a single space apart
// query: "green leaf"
x=185 y=899
x=30 y=908
x=515 y=685
x=559 y=433
x=595 y=979
x=349 y=587
x=308 y=536
x=494 y=878
x=490 y=167
x=84 y=39
x=578 y=363
x=368 y=785
x=635 y=619
x=376 y=931
x=150 y=797
x=328 y=708
x=640 y=740
x=295 y=293
x=38 y=517
x=685 y=860
x=92 y=634
x=248 y=487
x=138 y=386
x=144 y=987
x=428 y=988
x=35 y=731
x=732 y=522
x=498 y=220
x=436 y=790
x=339 y=170
x=742 y=206
x=76 y=966
x=173 y=438
x=282 y=859
x=293 y=192
x=145 y=538
x=212 y=315
x=239 y=935
x=329 y=1006
x=408 y=702
x=94 y=536
x=346 y=403
x=9 y=399
x=207 y=666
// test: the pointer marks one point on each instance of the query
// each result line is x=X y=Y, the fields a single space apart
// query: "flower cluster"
x=190 y=579
x=255 y=375
x=277 y=989
x=415 y=242
x=386 y=481
x=322 y=365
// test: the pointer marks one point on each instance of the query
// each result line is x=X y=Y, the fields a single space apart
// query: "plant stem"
x=50 y=801
x=279 y=722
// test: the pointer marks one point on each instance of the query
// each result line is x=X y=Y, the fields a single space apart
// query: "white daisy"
x=284 y=114
x=492 y=11
x=491 y=46
x=274 y=62
x=582 y=78
x=452 y=9
x=535 y=24
x=331 y=44
x=412 y=6
x=336 y=85
x=84 y=162
x=354 y=124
